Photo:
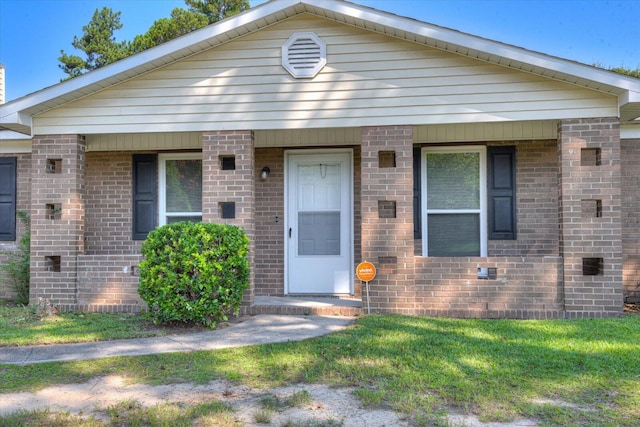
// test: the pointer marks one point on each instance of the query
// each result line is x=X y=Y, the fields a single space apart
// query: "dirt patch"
x=325 y=405
x=177 y=328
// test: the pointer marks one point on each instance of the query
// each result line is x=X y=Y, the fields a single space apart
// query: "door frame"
x=287 y=164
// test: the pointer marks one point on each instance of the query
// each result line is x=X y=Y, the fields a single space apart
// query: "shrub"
x=18 y=266
x=194 y=272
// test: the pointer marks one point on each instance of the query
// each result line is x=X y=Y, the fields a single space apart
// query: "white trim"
x=162 y=182
x=287 y=224
x=630 y=132
x=482 y=210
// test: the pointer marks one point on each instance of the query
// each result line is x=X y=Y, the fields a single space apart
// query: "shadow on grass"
x=494 y=368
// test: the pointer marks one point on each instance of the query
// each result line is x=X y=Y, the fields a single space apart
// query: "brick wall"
x=519 y=288
x=591 y=239
x=631 y=218
x=108 y=183
x=235 y=186
x=57 y=217
x=269 y=247
x=109 y=283
x=23 y=203
x=537 y=202
x=388 y=242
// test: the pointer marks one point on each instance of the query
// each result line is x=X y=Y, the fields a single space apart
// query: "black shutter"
x=8 y=168
x=502 y=192
x=417 y=213
x=145 y=199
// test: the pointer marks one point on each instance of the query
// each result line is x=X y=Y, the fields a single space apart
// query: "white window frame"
x=162 y=184
x=482 y=210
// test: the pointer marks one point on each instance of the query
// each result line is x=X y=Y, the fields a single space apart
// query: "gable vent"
x=304 y=55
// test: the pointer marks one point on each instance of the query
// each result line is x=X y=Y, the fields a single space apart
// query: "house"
x=481 y=179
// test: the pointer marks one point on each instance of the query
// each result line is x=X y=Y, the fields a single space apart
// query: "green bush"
x=194 y=272
x=18 y=265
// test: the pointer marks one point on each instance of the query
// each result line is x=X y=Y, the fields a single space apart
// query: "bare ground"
x=327 y=406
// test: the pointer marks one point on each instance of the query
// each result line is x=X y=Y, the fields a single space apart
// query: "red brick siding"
x=631 y=218
x=269 y=247
x=590 y=237
x=62 y=237
x=108 y=183
x=388 y=238
x=522 y=288
x=238 y=186
x=537 y=202
x=109 y=283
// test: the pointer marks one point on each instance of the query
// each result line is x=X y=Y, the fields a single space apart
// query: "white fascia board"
x=631 y=131
x=629 y=97
x=6 y=135
x=16 y=118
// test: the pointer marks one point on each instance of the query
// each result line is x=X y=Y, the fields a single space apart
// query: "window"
x=454 y=221
x=180 y=185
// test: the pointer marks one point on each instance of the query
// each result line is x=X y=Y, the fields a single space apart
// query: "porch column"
x=590 y=216
x=387 y=217
x=228 y=187
x=57 y=217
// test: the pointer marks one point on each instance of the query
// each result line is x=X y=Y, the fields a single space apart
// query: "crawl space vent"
x=304 y=55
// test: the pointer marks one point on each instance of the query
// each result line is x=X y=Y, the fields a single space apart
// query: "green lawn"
x=20 y=325
x=561 y=372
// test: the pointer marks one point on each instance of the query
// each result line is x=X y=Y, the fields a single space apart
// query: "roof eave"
x=266 y=14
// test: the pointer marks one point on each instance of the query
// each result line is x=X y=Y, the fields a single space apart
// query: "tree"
x=181 y=22
x=627 y=71
x=100 y=46
x=217 y=10
x=200 y=13
x=97 y=42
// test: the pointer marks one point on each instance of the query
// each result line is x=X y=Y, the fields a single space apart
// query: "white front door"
x=319 y=224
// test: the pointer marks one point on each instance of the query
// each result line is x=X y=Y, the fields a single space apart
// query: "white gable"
x=409 y=86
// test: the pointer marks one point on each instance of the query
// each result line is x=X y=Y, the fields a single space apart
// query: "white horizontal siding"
x=144 y=141
x=369 y=79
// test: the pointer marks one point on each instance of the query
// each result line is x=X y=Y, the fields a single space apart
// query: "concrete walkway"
x=261 y=329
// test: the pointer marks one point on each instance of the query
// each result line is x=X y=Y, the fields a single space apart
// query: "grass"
x=130 y=413
x=560 y=372
x=20 y=325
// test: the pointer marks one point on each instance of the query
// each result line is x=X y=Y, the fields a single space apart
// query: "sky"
x=601 y=32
